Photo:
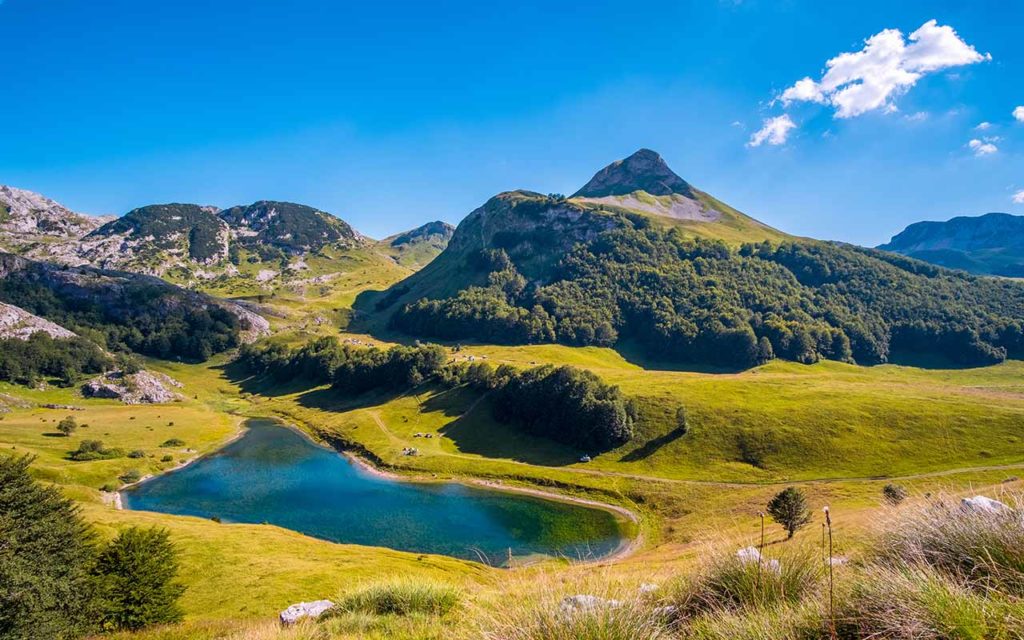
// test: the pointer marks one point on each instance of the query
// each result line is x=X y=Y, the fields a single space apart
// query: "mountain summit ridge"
x=645 y=170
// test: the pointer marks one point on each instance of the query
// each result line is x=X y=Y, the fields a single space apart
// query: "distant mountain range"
x=266 y=241
x=642 y=260
x=989 y=244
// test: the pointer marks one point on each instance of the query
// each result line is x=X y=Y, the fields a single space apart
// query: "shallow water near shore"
x=275 y=475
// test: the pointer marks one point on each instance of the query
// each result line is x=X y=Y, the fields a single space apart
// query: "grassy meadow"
x=838 y=431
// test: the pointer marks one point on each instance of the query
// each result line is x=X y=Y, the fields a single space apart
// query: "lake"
x=275 y=475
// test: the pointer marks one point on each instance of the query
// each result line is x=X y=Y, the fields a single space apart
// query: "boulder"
x=312 y=610
x=586 y=603
x=144 y=387
x=981 y=504
x=750 y=555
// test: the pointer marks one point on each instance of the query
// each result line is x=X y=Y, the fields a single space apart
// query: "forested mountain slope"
x=528 y=268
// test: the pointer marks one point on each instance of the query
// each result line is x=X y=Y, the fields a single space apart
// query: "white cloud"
x=982 y=147
x=1019 y=197
x=1018 y=113
x=887 y=67
x=920 y=116
x=983 y=126
x=774 y=131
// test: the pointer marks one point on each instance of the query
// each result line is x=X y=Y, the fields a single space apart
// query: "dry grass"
x=985 y=550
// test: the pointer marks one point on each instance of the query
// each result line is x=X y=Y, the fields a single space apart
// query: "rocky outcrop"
x=311 y=610
x=17 y=323
x=144 y=387
x=645 y=171
x=119 y=291
x=26 y=216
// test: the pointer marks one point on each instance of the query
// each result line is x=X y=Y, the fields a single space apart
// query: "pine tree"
x=789 y=508
x=136 y=580
x=45 y=554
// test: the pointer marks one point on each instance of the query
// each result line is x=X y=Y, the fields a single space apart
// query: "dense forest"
x=149 y=320
x=40 y=356
x=565 y=404
x=702 y=301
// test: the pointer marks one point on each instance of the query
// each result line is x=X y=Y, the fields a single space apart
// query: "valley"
x=743 y=360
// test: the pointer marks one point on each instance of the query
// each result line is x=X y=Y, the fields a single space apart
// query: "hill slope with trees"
x=529 y=268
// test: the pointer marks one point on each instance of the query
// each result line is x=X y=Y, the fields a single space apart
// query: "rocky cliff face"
x=19 y=324
x=27 y=217
x=989 y=244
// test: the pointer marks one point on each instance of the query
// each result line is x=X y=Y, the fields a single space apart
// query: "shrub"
x=67 y=426
x=173 y=442
x=45 y=554
x=894 y=493
x=167 y=458
x=985 y=549
x=136 y=580
x=137 y=453
x=789 y=508
x=110 y=487
x=733 y=582
x=130 y=476
x=401 y=597
x=94 y=450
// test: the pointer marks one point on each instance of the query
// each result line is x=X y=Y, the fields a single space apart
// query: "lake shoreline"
x=116 y=500
x=628 y=544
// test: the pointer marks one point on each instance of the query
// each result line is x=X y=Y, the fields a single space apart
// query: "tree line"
x=566 y=404
x=150 y=320
x=41 y=356
x=701 y=301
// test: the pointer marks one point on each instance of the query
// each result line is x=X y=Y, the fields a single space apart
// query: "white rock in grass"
x=586 y=603
x=750 y=555
x=648 y=587
x=981 y=504
x=313 y=610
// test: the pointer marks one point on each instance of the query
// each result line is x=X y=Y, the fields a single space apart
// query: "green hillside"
x=527 y=268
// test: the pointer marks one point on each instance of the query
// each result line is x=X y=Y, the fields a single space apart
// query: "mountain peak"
x=645 y=170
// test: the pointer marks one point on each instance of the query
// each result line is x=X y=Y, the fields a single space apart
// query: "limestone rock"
x=144 y=387
x=313 y=610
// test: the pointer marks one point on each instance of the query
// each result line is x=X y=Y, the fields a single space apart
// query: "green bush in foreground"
x=45 y=554
x=136 y=580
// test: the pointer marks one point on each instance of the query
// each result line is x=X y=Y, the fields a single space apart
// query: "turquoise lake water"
x=275 y=475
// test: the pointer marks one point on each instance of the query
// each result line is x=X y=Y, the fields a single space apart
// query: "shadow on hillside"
x=636 y=354
x=652 y=446
x=476 y=432
x=927 y=361
x=264 y=385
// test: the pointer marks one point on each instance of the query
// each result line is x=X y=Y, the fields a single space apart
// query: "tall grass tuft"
x=803 y=621
x=985 y=550
x=400 y=597
x=539 y=612
x=729 y=582
x=911 y=602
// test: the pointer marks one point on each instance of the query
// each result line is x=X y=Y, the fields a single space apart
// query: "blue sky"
x=390 y=114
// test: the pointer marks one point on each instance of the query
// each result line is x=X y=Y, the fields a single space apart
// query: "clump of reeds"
x=917 y=602
x=731 y=581
x=400 y=597
x=982 y=549
x=613 y=612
